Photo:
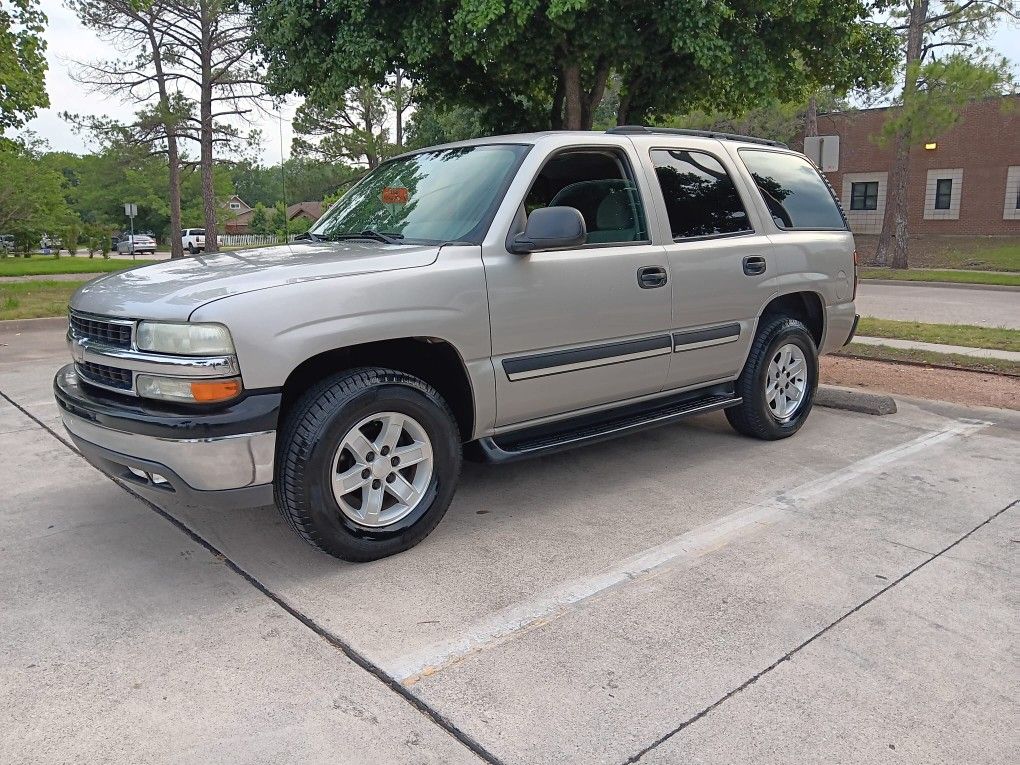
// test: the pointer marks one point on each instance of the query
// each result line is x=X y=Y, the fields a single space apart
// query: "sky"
x=67 y=39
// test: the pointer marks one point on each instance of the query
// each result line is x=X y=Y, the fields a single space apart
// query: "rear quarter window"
x=796 y=196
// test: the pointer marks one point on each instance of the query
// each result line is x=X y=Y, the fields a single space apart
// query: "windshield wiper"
x=309 y=236
x=388 y=238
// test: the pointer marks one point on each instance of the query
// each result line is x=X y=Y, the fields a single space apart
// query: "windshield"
x=447 y=195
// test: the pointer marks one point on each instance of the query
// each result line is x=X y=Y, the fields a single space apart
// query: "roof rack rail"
x=638 y=129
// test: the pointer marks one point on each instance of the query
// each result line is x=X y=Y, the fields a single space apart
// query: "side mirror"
x=550 y=228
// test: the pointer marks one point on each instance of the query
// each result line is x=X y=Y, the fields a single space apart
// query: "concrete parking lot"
x=682 y=595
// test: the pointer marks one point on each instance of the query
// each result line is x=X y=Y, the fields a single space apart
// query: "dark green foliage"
x=536 y=64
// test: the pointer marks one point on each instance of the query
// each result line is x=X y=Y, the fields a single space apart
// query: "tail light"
x=857 y=273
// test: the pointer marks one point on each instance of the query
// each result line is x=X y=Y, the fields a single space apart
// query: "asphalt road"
x=940 y=305
x=683 y=595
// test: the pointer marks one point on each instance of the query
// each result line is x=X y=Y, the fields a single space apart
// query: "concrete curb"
x=14 y=326
x=947 y=285
x=853 y=400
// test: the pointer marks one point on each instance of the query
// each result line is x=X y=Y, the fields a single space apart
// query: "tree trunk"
x=399 y=109
x=892 y=244
x=572 y=109
x=172 y=154
x=894 y=241
x=623 y=110
x=371 y=153
x=174 y=162
x=593 y=97
x=811 y=119
x=556 y=112
x=206 y=136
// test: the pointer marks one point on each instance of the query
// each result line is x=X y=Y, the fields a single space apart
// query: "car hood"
x=175 y=288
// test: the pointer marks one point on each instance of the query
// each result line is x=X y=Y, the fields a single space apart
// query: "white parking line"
x=506 y=623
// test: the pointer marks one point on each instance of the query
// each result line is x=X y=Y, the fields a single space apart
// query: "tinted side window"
x=701 y=199
x=794 y=192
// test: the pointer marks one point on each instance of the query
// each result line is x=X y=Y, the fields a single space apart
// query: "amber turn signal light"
x=209 y=391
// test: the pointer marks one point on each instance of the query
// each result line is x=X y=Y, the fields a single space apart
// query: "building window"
x=943 y=193
x=235 y=205
x=1017 y=199
x=864 y=196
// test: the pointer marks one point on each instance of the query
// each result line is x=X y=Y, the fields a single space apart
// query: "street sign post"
x=131 y=210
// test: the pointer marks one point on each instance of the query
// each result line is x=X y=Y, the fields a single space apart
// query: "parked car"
x=143 y=244
x=193 y=240
x=7 y=243
x=501 y=297
x=47 y=242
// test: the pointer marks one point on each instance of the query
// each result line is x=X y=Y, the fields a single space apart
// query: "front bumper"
x=223 y=458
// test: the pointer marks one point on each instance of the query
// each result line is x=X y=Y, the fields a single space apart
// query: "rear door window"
x=701 y=199
x=797 y=197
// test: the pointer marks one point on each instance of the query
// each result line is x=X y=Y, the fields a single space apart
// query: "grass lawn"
x=941 y=275
x=33 y=300
x=947 y=334
x=980 y=253
x=40 y=265
x=993 y=257
x=884 y=353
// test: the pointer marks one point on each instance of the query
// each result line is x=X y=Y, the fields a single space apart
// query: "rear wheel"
x=778 y=382
x=367 y=463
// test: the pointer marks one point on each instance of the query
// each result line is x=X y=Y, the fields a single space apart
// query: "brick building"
x=965 y=182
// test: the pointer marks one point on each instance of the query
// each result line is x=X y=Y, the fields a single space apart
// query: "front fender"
x=276 y=329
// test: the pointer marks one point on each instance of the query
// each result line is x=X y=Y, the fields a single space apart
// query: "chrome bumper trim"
x=209 y=464
x=152 y=363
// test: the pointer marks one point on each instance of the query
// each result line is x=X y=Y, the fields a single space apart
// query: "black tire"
x=192 y=250
x=313 y=431
x=754 y=417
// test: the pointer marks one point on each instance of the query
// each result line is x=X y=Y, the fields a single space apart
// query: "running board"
x=542 y=440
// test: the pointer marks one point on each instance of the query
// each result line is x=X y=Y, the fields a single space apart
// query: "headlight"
x=183 y=339
x=187 y=391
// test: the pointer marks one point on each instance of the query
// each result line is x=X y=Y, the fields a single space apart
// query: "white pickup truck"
x=193 y=240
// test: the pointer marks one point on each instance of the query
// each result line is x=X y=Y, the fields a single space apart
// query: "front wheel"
x=778 y=381
x=368 y=461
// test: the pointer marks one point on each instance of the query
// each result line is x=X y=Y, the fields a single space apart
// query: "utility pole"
x=131 y=210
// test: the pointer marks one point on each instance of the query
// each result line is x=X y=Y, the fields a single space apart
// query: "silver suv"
x=500 y=298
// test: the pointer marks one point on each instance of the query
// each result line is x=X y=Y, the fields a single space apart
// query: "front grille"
x=111 y=377
x=99 y=331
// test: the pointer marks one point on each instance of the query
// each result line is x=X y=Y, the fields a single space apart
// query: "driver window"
x=599 y=184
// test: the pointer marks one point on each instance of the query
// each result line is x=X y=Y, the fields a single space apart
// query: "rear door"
x=719 y=258
x=585 y=326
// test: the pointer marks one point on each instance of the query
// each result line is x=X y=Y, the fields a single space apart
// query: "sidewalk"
x=982 y=353
x=54 y=277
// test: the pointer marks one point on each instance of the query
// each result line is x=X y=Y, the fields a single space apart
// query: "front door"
x=586 y=326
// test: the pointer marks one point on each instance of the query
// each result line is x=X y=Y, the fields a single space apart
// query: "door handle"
x=650 y=277
x=754 y=265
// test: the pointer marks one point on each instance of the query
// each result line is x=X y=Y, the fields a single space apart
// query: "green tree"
x=528 y=64
x=433 y=123
x=72 y=234
x=351 y=130
x=192 y=60
x=260 y=220
x=22 y=63
x=31 y=195
x=943 y=66
x=278 y=222
x=778 y=120
x=308 y=180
